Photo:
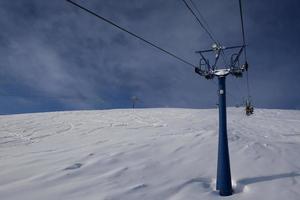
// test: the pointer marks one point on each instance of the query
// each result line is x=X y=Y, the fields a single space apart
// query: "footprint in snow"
x=74 y=166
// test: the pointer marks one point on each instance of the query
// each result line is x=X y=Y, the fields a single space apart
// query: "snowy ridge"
x=149 y=154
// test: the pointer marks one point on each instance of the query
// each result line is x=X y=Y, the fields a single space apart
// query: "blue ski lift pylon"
x=224 y=185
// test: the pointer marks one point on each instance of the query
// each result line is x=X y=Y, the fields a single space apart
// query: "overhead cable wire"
x=203 y=19
x=244 y=43
x=131 y=33
x=205 y=26
x=243 y=29
x=199 y=21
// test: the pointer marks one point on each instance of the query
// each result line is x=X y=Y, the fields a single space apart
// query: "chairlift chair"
x=249 y=108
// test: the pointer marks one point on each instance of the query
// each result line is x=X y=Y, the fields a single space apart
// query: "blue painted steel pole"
x=223 y=171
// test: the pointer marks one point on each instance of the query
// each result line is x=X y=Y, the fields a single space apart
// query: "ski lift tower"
x=134 y=100
x=209 y=72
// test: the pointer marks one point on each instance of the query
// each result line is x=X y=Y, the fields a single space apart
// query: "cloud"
x=55 y=50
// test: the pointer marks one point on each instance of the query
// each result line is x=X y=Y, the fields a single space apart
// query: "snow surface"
x=147 y=154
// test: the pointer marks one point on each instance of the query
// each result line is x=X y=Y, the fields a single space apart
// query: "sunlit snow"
x=147 y=154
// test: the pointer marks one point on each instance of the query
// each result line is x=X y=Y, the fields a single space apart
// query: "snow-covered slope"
x=147 y=154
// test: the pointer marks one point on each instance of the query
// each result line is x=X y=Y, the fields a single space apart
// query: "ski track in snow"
x=149 y=154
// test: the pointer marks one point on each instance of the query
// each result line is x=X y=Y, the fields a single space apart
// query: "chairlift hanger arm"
x=238 y=56
x=205 y=60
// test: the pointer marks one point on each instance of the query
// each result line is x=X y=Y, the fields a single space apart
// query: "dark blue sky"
x=57 y=57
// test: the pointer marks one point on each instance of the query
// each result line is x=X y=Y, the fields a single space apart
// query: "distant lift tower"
x=209 y=72
x=134 y=100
